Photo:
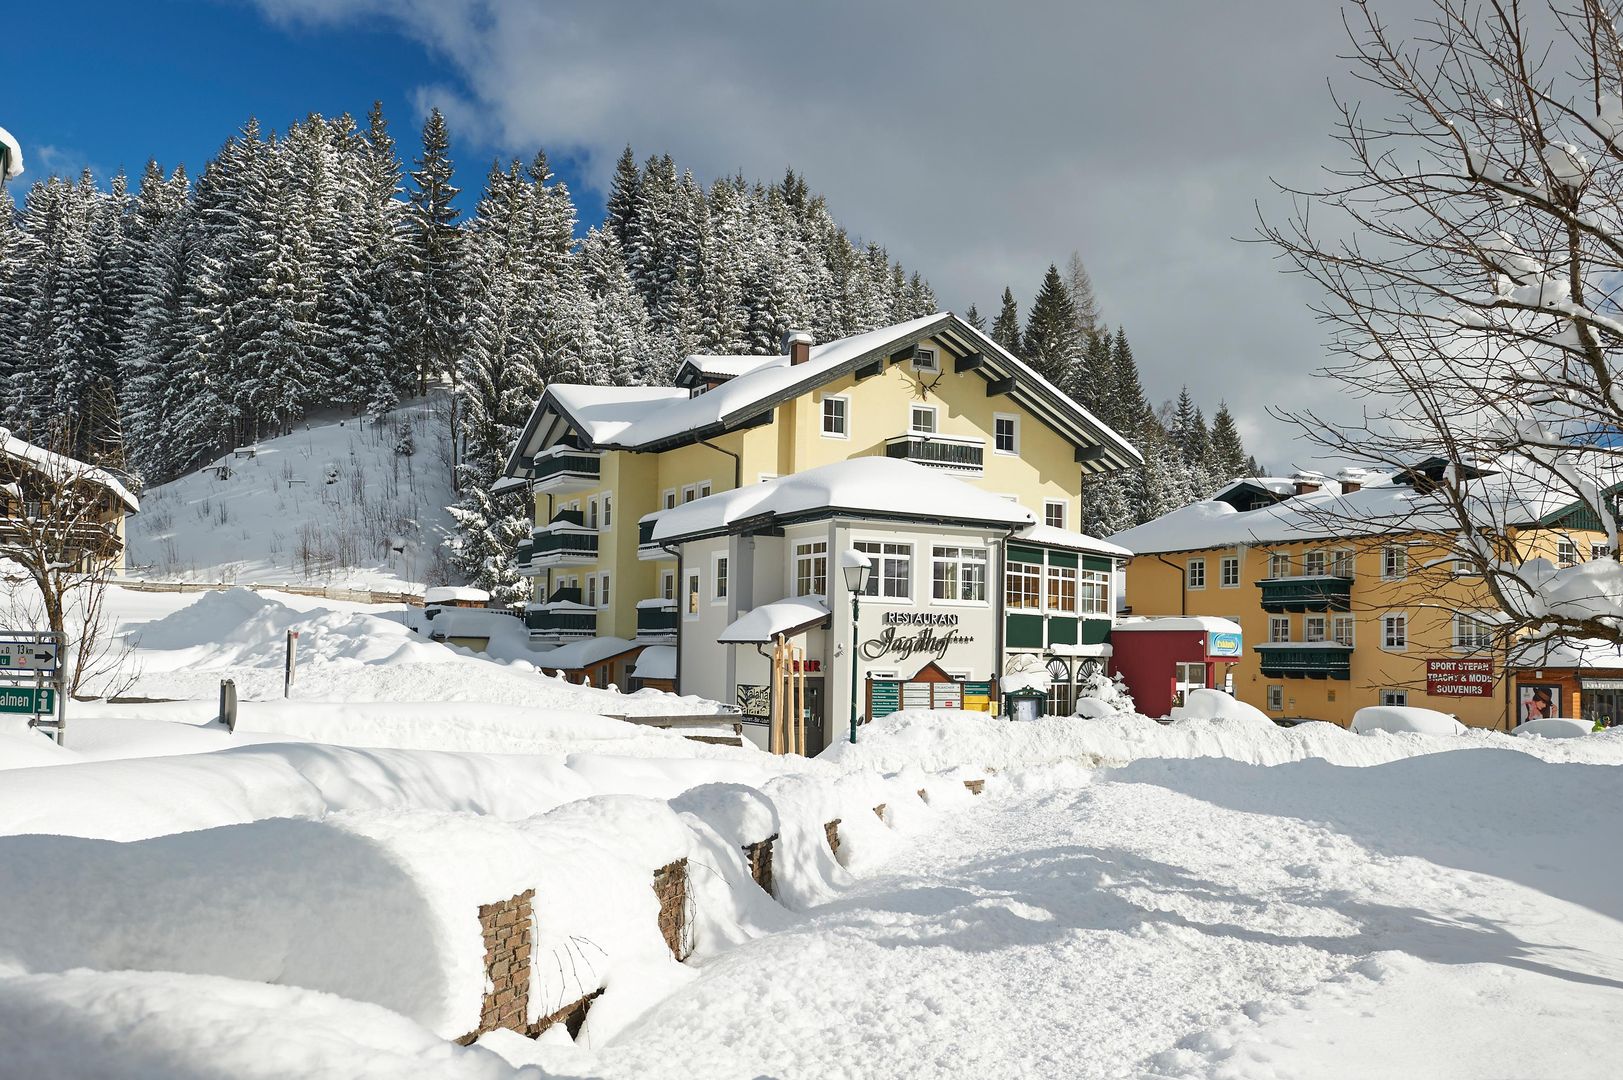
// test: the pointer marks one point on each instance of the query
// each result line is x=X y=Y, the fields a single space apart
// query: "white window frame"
x=883 y=582
x=919 y=353
x=1064 y=506
x=1394 y=563
x=1276 y=697
x=667 y=585
x=1026 y=573
x=1343 y=562
x=1400 y=621
x=1194 y=574
x=810 y=552
x=1321 y=634
x=1566 y=552
x=1093 y=592
x=692 y=593
x=603 y=591
x=667 y=498
x=591 y=591
x=844 y=431
x=1472 y=633
x=959 y=557
x=1277 y=625
x=1061 y=576
x=1014 y=424
x=1224 y=565
x=1278 y=560
x=720 y=577
x=1598 y=550
x=1315 y=563
x=1394 y=698
x=608 y=511
x=913 y=411
x=1350 y=624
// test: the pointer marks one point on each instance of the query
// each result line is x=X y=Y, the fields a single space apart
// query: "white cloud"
x=978 y=141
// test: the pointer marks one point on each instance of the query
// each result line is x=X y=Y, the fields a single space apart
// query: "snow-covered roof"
x=889 y=487
x=656 y=662
x=14 y=158
x=1208 y=624
x=720 y=367
x=651 y=418
x=63 y=469
x=448 y=594
x=1380 y=506
x=760 y=625
x=583 y=653
x=1557 y=652
x=508 y=483
x=1048 y=536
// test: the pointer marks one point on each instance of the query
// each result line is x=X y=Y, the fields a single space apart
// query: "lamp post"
x=856 y=567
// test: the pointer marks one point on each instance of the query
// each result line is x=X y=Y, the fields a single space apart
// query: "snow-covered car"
x=1405 y=719
x=1554 y=727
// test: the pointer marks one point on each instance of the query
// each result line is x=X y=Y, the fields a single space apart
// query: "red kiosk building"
x=1161 y=658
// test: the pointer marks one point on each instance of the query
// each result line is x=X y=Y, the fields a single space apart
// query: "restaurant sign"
x=1459 y=678
x=910 y=633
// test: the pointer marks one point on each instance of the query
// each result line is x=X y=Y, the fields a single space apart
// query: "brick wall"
x=506 y=926
x=671 y=886
x=759 y=856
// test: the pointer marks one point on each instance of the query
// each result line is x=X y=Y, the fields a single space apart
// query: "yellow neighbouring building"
x=602 y=462
x=1347 y=591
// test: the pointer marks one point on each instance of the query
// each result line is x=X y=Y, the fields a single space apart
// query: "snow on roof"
x=1048 y=536
x=64 y=469
x=584 y=653
x=1376 y=508
x=888 y=486
x=507 y=484
x=604 y=413
x=14 y=160
x=722 y=367
x=762 y=624
x=445 y=594
x=656 y=662
x=1209 y=624
x=1558 y=652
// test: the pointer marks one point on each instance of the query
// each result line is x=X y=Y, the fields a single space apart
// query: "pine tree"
x=624 y=197
x=1228 y=451
x=1006 y=327
x=1080 y=286
x=432 y=312
x=1052 y=344
x=975 y=319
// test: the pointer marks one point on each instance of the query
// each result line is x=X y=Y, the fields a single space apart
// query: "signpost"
x=31 y=679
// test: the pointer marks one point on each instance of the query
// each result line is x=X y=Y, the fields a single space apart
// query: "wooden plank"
x=1086 y=454
x=968 y=363
x=999 y=386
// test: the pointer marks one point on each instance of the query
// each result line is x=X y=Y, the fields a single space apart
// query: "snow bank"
x=1553 y=727
x=1405 y=718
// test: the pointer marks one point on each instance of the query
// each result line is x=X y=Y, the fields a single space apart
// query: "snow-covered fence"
x=325 y=592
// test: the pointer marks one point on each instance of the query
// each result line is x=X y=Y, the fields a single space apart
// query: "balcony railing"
x=563 y=545
x=656 y=618
x=1305 y=659
x=940 y=451
x=1318 y=592
x=565 y=470
x=561 y=620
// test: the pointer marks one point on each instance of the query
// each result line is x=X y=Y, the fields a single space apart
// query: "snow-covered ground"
x=1214 y=897
x=329 y=503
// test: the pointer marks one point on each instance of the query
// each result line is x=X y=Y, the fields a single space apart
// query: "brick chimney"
x=1307 y=482
x=797 y=344
x=1350 y=480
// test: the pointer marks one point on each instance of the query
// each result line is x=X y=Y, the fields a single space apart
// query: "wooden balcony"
x=953 y=453
x=1319 y=592
x=1305 y=660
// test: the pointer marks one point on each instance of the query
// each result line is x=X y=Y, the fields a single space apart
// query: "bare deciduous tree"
x=1471 y=251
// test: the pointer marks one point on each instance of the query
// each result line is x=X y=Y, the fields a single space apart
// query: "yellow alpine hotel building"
x=1347 y=591
x=602 y=463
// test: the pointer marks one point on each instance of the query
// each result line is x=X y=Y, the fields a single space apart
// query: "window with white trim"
x=1279 y=565
x=1342 y=562
x=1395 y=698
x=1279 y=628
x=1566 y=553
x=1464 y=567
x=958 y=573
x=693 y=585
x=1276 y=698
x=603 y=590
x=667 y=585
x=1394 y=562
x=1228 y=572
x=1195 y=573
x=1005 y=433
x=670 y=498
x=591 y=590
x=892 y=573
x=811 y=568
x=1022 y=586
x=1093 y=592
x=1313 y=563
x=1342 y=629
x=1600 y=551
x=1471 y=632
x=1395 y=631
x=1062 y=589
x=608 y=510
x=1314 y=627
x=718 y=578
x=921 y=420
x=591 y=513
x=836 y=416
x=1054 y=513
x=926 y=360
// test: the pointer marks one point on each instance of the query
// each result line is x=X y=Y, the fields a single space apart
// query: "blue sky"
x=108 y=85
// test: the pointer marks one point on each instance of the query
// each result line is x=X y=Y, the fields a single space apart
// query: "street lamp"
x=856 y=567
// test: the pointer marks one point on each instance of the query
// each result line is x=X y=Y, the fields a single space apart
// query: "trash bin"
x=1025 y=704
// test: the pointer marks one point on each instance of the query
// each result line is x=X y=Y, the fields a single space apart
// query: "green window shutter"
x=1020 y=554
x=1062 y=558
x=1095 y=562
x=1061 y=630
x=1025 y=631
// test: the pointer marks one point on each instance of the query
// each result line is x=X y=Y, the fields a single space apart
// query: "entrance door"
x=1604 y=705
x=816 y=736
x=1189 y=677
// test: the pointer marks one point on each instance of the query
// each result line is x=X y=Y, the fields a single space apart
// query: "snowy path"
x=1212 y=920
